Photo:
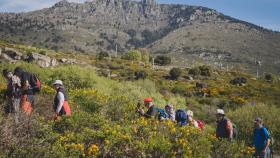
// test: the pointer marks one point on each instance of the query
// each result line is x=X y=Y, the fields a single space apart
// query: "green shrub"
x=102 y=55
x=162 y=60
x=175 y=73
x=194 y=71
x=269 y=77
x=205 y=70
x=142 y=74
x=134 y=55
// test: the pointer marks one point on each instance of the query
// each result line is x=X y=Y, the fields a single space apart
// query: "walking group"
x=22 y=86
x=225 y=128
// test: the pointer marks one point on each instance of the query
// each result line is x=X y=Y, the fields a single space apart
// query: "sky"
x=265 y=13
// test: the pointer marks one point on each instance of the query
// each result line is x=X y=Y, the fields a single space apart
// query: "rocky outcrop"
x=68 y=61
x=42 y=60
x=13 y=55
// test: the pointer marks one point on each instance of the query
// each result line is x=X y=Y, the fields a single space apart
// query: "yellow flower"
x=93 y=149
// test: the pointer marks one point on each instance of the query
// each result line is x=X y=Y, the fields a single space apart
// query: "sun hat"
x=59 y=82
x=220 y=111
x=190 y=113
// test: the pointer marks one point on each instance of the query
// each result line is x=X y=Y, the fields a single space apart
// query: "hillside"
x=181 y=31
x=105 y=123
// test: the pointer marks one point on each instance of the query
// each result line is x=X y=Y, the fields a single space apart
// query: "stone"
x=42 y=60
x=13 y=53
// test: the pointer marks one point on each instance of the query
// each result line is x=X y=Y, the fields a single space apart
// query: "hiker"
x=181 y=117
x=152 y=109
x=60 y=106
x=170 y=112
x=27 y=98
x=12 y=94
x=191 y=120
x=224 y=126
x=261 y=139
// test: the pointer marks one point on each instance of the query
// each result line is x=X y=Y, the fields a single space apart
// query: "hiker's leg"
x=267 y=153
x=8 y=106
x=16 y=108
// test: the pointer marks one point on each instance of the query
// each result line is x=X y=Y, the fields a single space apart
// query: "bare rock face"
x=13 y=53
x=7 y=58
x=42 y=60
x=68 y=61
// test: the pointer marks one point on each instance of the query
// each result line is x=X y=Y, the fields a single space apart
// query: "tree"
x=145 y=55
x=132 y=55
x=175 y=73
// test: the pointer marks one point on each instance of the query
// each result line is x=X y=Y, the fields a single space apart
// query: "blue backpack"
x=162 y=114
x=181 y=117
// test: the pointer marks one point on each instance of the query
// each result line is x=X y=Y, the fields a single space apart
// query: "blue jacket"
x=261 y=136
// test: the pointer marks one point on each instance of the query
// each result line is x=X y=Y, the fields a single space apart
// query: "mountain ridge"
x=107 y=25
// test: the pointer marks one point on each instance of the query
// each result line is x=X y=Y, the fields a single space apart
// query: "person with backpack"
x=27 y=98
x=261 y=139
x=181 y=117
x=60 y=106
x=170 y=112
x=12 y=94
x=191 y=120
x=152 y=109
x=224 y=126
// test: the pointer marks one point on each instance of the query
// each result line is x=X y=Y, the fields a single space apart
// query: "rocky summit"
x=181 y=31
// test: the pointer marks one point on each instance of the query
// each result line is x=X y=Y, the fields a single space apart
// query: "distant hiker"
x=170 y=111
x=181 y=117
x=60 y=106
x=191 y=120
x=224 y=126
x=261 y=139
x=152 y=109
x=12 y=94
x=27 y=98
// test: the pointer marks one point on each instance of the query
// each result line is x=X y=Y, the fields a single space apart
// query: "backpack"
x=35 y=83
x=271 y=139
x=200 y=124
x=162 y=114
x=235 y=131
x=181 y=117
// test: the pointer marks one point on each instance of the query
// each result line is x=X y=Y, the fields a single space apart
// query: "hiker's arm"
x=230 y=130
x=61 y=101
x=25 y=85
x=150 y=113
x=267 y=145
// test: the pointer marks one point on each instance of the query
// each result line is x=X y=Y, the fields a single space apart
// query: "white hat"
x=220 y=111
x=190 y=113
x=59 y=82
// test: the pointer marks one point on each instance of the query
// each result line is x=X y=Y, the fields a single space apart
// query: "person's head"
x=57 y=84
x=7 y=74
x=190 y=115
x=258 y=122
x=18 y=71
x=220 y=114
x=148 y=102
x=168 y=108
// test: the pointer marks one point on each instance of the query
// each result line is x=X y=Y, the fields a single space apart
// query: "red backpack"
x=200 y=124
x=35 y=83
